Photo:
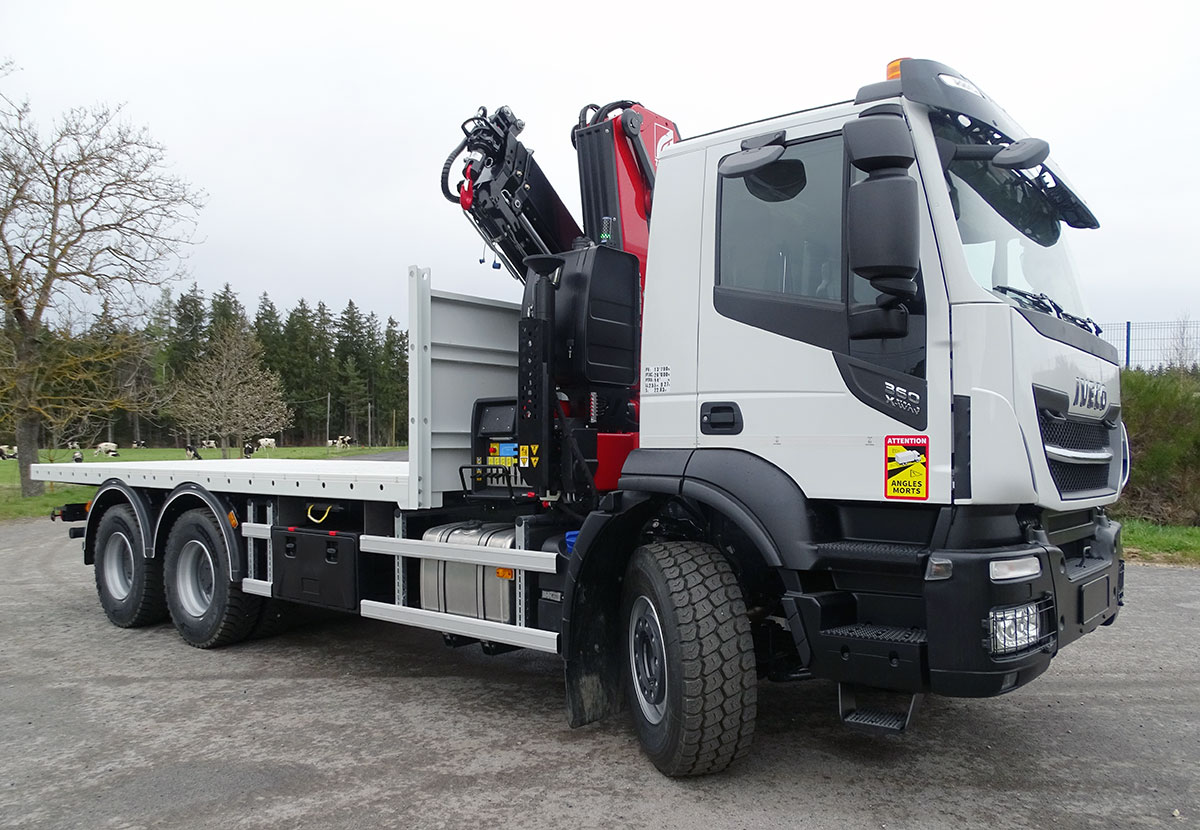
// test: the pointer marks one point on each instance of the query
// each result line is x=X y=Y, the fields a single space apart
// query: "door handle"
x=720 y=418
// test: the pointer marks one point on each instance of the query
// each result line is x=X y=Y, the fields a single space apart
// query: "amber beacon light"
x=893 y=69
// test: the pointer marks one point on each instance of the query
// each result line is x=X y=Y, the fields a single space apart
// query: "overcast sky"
x=318 y=130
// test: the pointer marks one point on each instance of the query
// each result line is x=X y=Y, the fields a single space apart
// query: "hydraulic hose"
x=603 y=112
x=450 y=195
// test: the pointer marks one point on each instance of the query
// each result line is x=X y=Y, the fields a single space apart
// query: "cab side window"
x=780 y=265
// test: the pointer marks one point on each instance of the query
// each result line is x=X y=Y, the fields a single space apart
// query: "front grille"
x=1083 y=436
x=1077 y=478
x=1074 y=435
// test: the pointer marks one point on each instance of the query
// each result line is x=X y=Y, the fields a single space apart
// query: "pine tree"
x=300 y=367
x=227 y=312
x=393 y=395
x=187 y=335
x=268 y=328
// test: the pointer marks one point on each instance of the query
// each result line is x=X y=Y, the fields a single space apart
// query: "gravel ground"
x=355 y=723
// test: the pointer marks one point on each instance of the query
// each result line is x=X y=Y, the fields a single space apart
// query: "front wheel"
x=208 y=610
x=689 y=658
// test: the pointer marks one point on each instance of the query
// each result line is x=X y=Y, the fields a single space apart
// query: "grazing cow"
x=72 y=445
x=191 y=453
x=77 y=457
x=141 y=445
x=109 y=448
x=247 y=450
x=208 y=445
x=7 y=452
x=266 y=443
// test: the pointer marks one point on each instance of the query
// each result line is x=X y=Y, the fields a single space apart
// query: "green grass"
x=1168 y=544
x=14 y=506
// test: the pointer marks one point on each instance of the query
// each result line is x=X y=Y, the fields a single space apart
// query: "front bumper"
x=935 y=635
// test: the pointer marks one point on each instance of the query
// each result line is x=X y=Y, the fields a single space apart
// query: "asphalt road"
x=355 y=723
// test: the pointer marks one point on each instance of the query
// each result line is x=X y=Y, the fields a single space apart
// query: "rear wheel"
x=130 y=586
x=689 y=658
x=208 y=610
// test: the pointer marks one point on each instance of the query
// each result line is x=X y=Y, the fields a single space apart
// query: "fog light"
x=1006 y=570
x=1015 y=629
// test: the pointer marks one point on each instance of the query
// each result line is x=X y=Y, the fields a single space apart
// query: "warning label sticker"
x=529 y=455
x=906 y=467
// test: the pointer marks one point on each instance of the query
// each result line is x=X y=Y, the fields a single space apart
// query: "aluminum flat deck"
x=385 y=481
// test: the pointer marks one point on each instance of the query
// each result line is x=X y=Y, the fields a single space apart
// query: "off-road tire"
x=208 y=610
x=705 y=713
x=130 y=585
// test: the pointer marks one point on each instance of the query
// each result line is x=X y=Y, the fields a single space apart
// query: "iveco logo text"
x=1090 y=394
x=901 y=398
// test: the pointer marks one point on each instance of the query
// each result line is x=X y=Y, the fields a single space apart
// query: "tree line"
x=198 y=368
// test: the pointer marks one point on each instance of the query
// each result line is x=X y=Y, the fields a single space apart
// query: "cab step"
x=878 y=633
x=872 y=719
x=884 y=557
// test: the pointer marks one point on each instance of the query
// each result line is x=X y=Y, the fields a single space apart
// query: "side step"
x=876 y=721
x=483 y=630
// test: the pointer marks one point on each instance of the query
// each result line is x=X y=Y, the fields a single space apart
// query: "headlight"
x=1007 y=570
x=1015 y=629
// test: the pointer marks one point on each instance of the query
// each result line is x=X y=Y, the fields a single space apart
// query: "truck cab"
x=803 y=335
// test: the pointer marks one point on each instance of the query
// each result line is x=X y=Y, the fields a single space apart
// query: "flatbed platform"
x=385 y=481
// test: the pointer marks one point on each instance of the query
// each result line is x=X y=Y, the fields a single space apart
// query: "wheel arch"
x=113 y=493
x=760 y=499
x=190 y=496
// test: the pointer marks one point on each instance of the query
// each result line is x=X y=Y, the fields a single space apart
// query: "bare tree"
x=89 y=376
x=89 y=218
x=1183 y=348
x=229 y=393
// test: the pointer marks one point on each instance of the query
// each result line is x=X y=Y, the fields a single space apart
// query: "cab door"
x=785 y=370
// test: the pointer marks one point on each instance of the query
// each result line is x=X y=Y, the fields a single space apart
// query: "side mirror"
x=1020 y=155
x=742 y=164
x=1023 y=154
x=883 y=236
x=878 y=323
x=768 y=176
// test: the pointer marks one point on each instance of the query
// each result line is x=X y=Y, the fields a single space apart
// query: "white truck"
x=685 y=462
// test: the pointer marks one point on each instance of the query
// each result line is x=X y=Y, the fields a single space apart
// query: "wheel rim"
x=118 y=566
x=648 y=660
x=195 y=577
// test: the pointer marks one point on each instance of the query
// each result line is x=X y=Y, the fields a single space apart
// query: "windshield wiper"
x=1038 y=302
x=1042 y=302
x=1086 y=323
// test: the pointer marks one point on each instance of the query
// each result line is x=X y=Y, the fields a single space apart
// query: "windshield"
x=1010 y=226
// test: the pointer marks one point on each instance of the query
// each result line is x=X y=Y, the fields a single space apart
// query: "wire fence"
x=1158 y=345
